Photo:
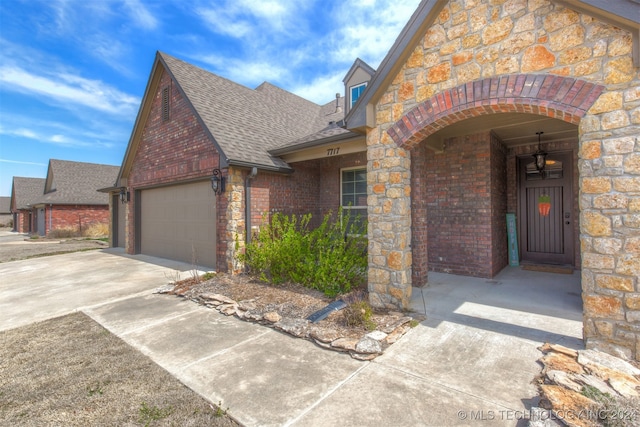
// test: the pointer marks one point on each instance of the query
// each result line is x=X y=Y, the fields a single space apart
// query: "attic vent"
x=165 y=104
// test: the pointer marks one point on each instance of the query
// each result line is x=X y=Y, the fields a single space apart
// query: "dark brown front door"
x=546 y=219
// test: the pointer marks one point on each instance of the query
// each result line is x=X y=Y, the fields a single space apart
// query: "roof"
x=77 y=183
x=26 y=191
x=5 y=205
x=243 y=123
x=622 y=13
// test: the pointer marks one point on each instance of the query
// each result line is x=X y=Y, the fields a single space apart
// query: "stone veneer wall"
x=473 y=40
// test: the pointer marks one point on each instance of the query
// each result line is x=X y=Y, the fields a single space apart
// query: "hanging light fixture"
x=540 y=157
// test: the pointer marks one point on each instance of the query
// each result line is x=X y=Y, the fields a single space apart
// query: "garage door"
x=179 y=223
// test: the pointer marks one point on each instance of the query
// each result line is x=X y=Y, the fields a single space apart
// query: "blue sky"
x=73 y=72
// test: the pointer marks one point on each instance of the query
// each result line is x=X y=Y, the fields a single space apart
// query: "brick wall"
x=174 y=151
x=314 y=188
x=22 y=224
x=459 y=206
x=77 y=217
x=498 y=193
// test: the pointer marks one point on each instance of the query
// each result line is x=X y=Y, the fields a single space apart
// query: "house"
x=6 y=218
x=479 y=110
x=24 y=193
x=67 y=199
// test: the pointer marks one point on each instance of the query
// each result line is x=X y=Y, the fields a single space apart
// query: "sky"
x=73 y=72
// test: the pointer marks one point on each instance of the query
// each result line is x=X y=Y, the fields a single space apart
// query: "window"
x=353 y=197
x=356 y=91
x=552 y=170
x=165 y=104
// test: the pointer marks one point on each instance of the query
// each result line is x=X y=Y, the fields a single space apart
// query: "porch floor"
x=538 y=306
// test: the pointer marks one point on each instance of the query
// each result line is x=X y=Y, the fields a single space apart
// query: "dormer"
x=355 y=82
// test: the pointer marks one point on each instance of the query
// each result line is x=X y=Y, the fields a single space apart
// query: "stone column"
x=389 y=203
x=610 y=222
x=235 y=222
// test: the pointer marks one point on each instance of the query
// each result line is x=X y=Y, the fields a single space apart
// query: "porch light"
x=540 y=156
x=217 y=182
x=124 y=195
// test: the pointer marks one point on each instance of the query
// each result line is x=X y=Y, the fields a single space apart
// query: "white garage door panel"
x=179 y=222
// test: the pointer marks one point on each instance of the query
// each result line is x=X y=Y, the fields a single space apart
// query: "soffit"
x=512 y=128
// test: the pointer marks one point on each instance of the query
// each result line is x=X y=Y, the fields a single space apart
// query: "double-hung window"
x=353 y=197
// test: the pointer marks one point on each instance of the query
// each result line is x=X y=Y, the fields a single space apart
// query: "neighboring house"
x=67 y=199
x=24 y=194
x=6 y=217
x=437 y=145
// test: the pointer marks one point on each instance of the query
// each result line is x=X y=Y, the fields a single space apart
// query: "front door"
x=546 y=217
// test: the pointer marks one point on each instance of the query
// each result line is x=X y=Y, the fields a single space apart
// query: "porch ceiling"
x=512 y=128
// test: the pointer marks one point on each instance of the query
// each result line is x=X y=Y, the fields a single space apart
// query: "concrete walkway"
x=471 y=362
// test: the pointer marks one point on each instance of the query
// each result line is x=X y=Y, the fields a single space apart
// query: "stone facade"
x=535 y=56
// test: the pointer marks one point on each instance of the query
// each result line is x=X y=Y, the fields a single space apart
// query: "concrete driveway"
x=41 y=288
x=471 y=362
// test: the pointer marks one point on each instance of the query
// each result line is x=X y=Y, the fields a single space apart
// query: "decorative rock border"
x=367 y=347
x=565 y=374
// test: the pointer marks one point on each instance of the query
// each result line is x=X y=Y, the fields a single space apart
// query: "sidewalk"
x=471 y=362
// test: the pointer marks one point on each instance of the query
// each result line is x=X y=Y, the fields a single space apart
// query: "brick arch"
x=563 y=98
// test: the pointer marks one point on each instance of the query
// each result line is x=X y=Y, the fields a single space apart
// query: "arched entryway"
x=518 y=97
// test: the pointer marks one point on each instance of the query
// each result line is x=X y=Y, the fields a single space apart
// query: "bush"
x=359 y=314
x=97 y=229
x=331 y=258
x=63 y=232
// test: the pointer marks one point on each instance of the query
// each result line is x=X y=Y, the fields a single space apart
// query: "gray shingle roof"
x=5 y=205
x=26 y=191
x=246 y=123
x=77 y=183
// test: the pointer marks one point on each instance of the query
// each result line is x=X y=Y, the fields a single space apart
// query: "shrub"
x=331 y=258
x=63 y=232
x=359 y=314
x=97 y=229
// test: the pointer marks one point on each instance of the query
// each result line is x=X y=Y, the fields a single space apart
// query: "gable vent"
x=165 y=104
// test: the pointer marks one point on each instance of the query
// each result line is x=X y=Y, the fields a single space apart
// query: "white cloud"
x=18 y=162
x=322 y=89
x=246 y=72
x=141 y=15
x=67 y=88
x=43 y=135
x=242 y=18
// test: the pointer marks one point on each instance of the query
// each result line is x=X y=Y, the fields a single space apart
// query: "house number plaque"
x=333 y=151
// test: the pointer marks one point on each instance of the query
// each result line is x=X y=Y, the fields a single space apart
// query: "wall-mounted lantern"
x=124 y=195
x=540 y=156
x=217 y=182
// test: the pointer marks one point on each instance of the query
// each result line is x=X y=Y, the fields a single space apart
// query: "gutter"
x=247 y=204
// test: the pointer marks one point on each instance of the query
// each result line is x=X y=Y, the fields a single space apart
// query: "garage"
x=179 y=222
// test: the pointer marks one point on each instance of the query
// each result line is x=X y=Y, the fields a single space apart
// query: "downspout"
x=247 y=214
x=50 y=223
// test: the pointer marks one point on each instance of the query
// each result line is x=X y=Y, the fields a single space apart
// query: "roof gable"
x=619 y=13
x=242 y=123
x=70 y=182
x=5 y=205
x=25 y=192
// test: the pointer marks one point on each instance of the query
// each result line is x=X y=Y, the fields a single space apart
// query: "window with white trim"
x=353 y=194
x=356 y=91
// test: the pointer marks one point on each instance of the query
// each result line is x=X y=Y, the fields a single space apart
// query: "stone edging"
x=367 y=347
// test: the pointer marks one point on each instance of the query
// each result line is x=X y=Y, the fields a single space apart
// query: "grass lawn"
x=71 y=371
